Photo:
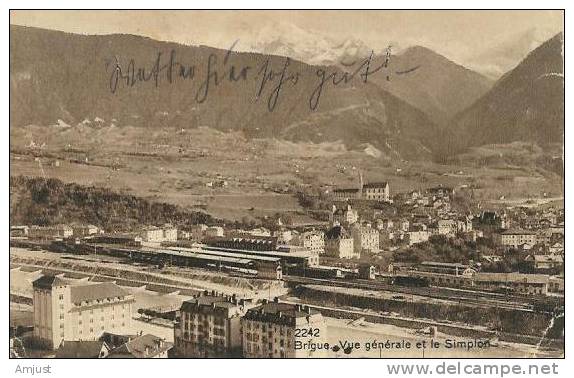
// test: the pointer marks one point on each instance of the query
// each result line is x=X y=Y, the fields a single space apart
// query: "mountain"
x=67 y=79
x=526 y=104
x=502 y=57
x=439 y=87
x=311 y=47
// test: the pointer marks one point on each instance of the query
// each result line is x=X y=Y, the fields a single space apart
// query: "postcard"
x=286 y=184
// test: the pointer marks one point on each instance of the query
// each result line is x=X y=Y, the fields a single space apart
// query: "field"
x=232 y=177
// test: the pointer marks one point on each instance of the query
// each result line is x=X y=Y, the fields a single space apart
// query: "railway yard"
x=164 y=283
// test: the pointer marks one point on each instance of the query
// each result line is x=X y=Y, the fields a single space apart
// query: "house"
x=144 y=346
x=346 y=216
x=19 y=231
x=213 y=231
x=152 y=234
x=83 y=230
x=60 y=231
x=312 y=240
x=515 y=238
x=376 y=191
x=415 y=237
x=169 y=233
x=556 y=285
x=83 y=349
x=339 y=244
x=447 y=227
x=545 y=262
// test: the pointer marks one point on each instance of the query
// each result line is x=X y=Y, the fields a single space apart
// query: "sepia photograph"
x=253 y=184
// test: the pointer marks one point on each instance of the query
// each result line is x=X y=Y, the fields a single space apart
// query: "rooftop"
x=47 y=282
x=145 y=346
x=96 y=291
x=81 y=349
x=381 y=184
x=276 y=312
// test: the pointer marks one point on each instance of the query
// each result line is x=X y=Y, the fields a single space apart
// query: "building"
x=60 y=231
x=545 y=262
x=169 y=233
x=556 y=285
x=282 y=330
x=152 y=234
x=244 y=241
x=213 y=232
x=441 y=192
x=209 y=326
x=446 y=268
x=198 y=231
x=365 y=238
x=143 y=346
x=345 y=216
x=83 y=230
x=19 y=231
x=415 y=237
x=312 y=240
x=339 y=244
x=284 y=236
x=512 y=282
x=346 y=194
x=78 y=311
x=515 y=238
x=447 y=227
x=376 y=191
x=83 y=349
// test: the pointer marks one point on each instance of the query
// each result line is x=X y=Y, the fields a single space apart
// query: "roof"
x=145 y=346
x=512 y=277
x=380 y=184
x=443 y=264
x=345 y=190
x=49 y=281
x=81 y=349
x=518 y=232
x=276 y=312
x=92 y=292
x=213 y=301
x=336 y=232
x=547 y=258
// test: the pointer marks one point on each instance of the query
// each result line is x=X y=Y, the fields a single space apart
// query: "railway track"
x=461 y=296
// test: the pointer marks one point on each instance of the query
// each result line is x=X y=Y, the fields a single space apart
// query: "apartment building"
x=209 y=326
x=283 y=330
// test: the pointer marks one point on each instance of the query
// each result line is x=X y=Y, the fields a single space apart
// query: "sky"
x=455 y=34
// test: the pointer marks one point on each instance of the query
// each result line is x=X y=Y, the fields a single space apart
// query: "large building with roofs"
x=73 y=311
x=209 y=326
x=283 y=330
x=340 y=244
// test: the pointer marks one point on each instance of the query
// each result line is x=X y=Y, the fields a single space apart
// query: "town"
x=267 y=291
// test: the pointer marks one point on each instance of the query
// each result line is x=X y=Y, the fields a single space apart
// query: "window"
x=61 y=297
